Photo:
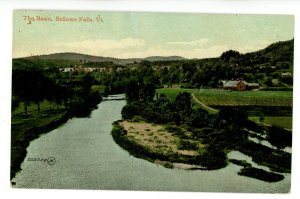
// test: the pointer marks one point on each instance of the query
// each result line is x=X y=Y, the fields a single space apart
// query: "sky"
x=143 y=34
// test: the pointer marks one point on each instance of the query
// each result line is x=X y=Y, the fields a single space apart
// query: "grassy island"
x=156 y=144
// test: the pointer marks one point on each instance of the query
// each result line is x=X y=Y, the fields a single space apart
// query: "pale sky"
x=138 y=35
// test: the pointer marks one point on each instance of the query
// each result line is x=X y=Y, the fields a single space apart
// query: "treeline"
x=31 y=85
x=264 y=67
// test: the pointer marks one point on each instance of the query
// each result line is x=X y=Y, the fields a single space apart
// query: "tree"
x=183 y=103
x=231 y=116
x=230 y=55
x=29 y=86
x=279 y=137
x=268 y=82
x=147 y=92
x=132 y=90
x=129 y=111
x=14 y=103
x=58 y=95
x=199 y=118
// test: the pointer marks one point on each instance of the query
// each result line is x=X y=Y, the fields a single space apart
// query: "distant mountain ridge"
x=281 y=51
x=90 y=58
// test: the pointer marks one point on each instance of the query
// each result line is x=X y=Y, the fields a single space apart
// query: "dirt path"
x=209 y=109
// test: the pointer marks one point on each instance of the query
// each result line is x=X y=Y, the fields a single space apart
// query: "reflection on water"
x=240 y=156
x=268 y=144
x=88 y=158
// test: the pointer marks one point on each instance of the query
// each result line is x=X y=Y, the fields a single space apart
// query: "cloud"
x=137 y=48
x=159 y=50
x=189 y=43
x=104 y=44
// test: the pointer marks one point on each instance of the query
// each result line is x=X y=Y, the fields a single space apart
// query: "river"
x=85 y=156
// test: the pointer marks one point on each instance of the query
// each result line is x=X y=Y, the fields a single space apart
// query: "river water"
x=86 y=157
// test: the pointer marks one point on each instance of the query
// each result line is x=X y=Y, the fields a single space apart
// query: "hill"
x=82 y=58
x=279 y=54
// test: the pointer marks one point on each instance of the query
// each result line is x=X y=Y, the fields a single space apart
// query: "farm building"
x=287 y=74
x=172 y=86
x=66 y=70
x=239 y=85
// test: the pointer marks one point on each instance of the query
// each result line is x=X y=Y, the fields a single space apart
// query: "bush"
x=137 y=119
x=187 y=145
x=168 y=165
x=279 y=137
x=202 y=133
x=199 y=118
x=176 y=131
x=129 y=111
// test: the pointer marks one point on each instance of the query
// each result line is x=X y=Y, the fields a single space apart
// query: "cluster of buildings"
x=88 y=69
x=77 y=69
x=239 y=85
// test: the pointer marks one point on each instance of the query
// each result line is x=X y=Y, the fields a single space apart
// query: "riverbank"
x=157 y=144
x=24 y=129
x=89 y=158
x=173 y=147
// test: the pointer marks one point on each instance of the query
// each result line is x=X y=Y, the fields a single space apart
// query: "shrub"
x=137 y=118
x=187 y=145
x=129 y=111
x=168 y=165
x=279 y=137
x=202 y=133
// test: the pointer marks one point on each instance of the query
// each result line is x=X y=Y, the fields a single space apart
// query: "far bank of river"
x=86 y=157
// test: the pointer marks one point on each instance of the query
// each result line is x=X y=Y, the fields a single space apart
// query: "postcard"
x=192 y=102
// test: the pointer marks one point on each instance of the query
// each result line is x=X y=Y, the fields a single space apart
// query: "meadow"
x=283 y=121
x=32 y=108
x=171 y=93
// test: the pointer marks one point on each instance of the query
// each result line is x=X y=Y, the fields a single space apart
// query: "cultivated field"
x=276 y=106
x=216 y=97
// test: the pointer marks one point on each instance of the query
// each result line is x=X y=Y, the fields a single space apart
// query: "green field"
x=33 y=107
x=216 y=97
x=284 y=121
x=171 y=93
x=99 y=88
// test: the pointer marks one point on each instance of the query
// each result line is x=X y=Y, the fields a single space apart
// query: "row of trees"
x=31 y=85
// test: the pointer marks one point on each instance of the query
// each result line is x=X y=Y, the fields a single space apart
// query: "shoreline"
x=140 y=148
x=30 y=135
x=169 y=160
